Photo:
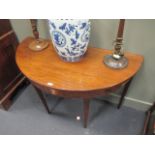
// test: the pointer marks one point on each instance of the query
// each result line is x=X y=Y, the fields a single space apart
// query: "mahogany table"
x=85 y=79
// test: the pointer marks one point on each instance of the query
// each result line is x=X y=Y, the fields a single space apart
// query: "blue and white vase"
x=70 y=37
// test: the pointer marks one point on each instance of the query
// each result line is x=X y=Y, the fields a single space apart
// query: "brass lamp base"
x=38 y=45
x=111 y=62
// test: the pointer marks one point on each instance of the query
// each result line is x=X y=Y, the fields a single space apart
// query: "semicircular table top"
x=47 y=69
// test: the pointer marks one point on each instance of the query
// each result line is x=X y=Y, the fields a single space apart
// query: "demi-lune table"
x=85 y=79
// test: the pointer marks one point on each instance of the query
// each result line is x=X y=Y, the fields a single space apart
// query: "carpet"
x=27 y=116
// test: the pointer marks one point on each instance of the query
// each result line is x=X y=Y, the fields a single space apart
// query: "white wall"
x=23 y=29
x=139 y=37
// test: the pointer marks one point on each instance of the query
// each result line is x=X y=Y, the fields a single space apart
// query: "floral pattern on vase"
x=70 y=37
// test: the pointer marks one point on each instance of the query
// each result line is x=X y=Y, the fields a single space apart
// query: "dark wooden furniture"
x=149 y=125
x=85 y=79
x=10 y=76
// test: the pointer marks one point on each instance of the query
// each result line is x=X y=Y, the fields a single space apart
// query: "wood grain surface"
x=48 y=71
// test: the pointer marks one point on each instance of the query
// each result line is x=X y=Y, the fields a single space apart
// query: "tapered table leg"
x=39 y=92
x=126 y=87
x=86 y=103
x=147 y=120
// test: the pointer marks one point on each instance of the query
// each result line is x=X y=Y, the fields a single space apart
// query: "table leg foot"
x=6 y=104
x=39 y=92
x=56 y=104
x=86 y=103
x=147 y=119
x=126 y=87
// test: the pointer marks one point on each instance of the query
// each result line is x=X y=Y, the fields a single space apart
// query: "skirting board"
x=129 y=102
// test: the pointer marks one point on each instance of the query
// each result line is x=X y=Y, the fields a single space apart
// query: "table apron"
x=76 y=94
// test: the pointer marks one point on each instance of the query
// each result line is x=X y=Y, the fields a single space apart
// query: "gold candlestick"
x=37 y=44
x=117 y=59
